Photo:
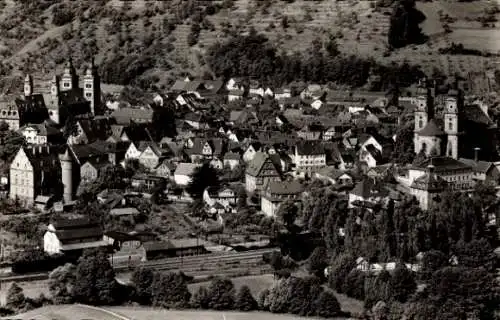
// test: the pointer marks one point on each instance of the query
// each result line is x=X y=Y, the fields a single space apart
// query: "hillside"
x=147 y=41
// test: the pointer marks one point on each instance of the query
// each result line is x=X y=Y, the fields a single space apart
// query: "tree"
x=403 y=283
x=221 y=293
x=244 y=300
x=474 y=290
x=205 y=176
x=340 y=268
x=318 y=261
x=432 y=261
x=404 y=25
x=354 y=284
x=142 y=279
x=10 y=141
x=476 y=254
x=200 y=299
x=95 y=282
x=15 y=297
x=262 y=299
x=326 y=305
x=170 y=291
x=288 y=212
x=61 y=283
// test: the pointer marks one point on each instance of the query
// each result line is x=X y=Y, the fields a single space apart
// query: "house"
x=72 y=236
x=184 y=173
x=232 y=160
x=224 y=195
x=311 y=131
x=165 y=169
x=40 y=133
x=367 y=193
x=235 y=84
x=90 y=130
x=146 y=182
x=458 y=175
x=334 y=176
x=309 y=157
x=371 y=156
x=34 y=171
x=235 y=94
x=282 y=93
x=251 y=150
x=427 y=188
x=125 y=116
x=216 y=163
x=316 y=104
x=10 y=114
x=151 y=155
x=380 y=172
x=276 y=192
x=260 y=171
x=172 y=248
x=195 y=120
x=202 y=149
x=483 y=170
x=91 y=169
x=243 y=117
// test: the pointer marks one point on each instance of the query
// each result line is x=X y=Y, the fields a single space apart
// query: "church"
x=65 y=96
x=449 y=125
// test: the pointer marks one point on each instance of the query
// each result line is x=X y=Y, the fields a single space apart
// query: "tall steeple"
x=67 y=175
x=92 y=87
x=28 y=85
x=69 y=78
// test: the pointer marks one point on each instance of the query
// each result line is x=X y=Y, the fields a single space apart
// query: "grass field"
x=79 y=312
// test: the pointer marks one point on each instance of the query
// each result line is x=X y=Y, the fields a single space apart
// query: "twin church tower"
x=65 y=91
x=437 y=134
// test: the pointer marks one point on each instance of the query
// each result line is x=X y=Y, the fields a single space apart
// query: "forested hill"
x=153 y=42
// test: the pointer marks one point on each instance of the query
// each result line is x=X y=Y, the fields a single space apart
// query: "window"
x=88 y=95
x=66 y=84
x=88 y=86
x=450 y=125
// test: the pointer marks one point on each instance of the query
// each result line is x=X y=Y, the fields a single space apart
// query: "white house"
x=184 y=172
x=250 y=152
x=132 y=152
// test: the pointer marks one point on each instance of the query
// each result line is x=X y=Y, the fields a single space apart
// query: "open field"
x=80 y=312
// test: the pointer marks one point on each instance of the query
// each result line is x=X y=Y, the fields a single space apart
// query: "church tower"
x=69 y=78
x=422 y=114
x=451 y=124
x=28 y=86
x=92 y=88
x=67 y=176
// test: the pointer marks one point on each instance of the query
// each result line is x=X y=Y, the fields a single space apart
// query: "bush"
x=403 y=283
x=340 y=268
x=327 y=305
x=170 y=291
x=354 y=284
x=142 y=279
x=262 y=299
x=61 y=15
x=221 y=294
x=244 y=300
x=200 y=299
x=38 y=261
x=15 y=299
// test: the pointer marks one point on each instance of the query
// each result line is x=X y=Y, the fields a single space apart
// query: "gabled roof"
x=332 y=172
x=187 y=169
x=232 y=156
x=260 y=158
x=125 y=115
x=442 y=164
x=309 y=148
x=374 y=152
x=367 y=189
x=429 y=182
x=293 y=187
x=478 y=166
x=431 y=130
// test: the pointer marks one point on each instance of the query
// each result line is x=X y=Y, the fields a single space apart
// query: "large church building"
x=445 y=125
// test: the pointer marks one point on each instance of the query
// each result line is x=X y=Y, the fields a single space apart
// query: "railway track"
x=206 y=261
x=200 y=265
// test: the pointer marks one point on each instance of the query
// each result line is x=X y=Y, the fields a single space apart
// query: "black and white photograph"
x=249 y=159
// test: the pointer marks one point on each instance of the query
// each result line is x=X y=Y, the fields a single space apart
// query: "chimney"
x=476 y=154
